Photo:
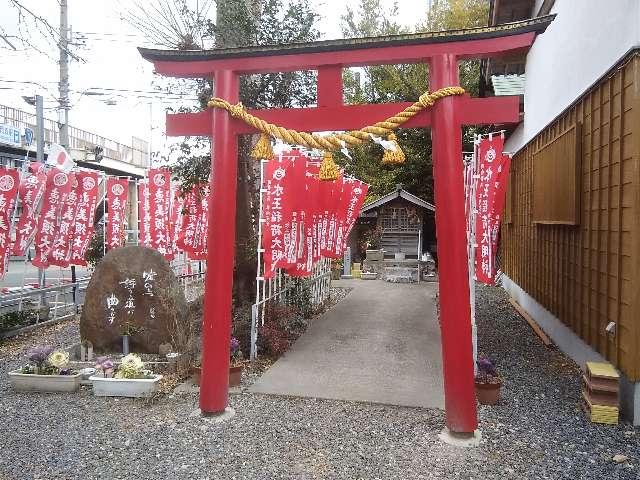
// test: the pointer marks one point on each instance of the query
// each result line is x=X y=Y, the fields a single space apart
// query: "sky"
x=109 y=88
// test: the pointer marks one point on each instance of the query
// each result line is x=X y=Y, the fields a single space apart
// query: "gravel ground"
x=536 y=432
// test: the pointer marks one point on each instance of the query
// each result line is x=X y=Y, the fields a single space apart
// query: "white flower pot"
x=28 y=382
x=124 y=387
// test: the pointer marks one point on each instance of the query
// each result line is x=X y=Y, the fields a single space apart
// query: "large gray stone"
x=135 y=286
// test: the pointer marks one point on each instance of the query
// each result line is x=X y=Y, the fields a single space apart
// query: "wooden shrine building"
x=406 y=223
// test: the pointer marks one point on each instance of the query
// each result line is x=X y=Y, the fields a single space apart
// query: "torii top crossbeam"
x=330 y=57
x=442 y=51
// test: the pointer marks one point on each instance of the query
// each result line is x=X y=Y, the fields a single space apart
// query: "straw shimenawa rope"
x=336 y=141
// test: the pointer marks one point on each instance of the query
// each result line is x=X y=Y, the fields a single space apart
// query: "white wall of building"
x=586 y=39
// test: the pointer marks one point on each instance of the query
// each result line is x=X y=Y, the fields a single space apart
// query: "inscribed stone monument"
x=133 y=289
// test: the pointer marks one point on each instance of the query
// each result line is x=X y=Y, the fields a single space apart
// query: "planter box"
x=368 y=275
x=27 y=382
x=399 y=256
x=124 y=387
x=488 y=393
x=235 y=376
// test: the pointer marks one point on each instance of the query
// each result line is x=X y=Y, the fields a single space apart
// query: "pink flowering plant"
x=130 y=367
x=234 y=351
x=105 y=366
x=45 y=360
x=487 y=373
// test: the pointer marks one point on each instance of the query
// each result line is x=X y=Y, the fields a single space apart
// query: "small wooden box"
x=600 y=393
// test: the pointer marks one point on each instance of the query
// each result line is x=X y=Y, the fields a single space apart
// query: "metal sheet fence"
x=285 y=290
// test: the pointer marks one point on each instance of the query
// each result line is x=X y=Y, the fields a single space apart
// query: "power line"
x=134 y=93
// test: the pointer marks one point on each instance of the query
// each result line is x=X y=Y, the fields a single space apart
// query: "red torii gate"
x=442 y=51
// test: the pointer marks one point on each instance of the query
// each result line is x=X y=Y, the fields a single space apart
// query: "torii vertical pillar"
x=455 y=312
x=216 y=322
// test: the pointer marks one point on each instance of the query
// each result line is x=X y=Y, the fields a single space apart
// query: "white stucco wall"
x=586 y=39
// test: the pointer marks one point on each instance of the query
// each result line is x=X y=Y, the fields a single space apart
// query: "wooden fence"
x=575 y=245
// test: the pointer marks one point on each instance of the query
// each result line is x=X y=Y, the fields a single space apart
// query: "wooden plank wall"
x=587 y=275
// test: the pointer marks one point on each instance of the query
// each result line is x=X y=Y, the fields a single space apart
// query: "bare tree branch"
x=48 y=32
x=170 y=24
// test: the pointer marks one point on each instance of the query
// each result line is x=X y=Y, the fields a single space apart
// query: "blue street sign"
x=28 y=136
x=10 y=135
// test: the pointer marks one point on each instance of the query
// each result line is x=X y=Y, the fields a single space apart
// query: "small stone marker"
x=134 y=289
x=346 y=267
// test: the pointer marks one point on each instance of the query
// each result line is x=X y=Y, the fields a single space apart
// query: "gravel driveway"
x=536 y=432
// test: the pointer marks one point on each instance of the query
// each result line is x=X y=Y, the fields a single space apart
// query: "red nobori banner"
x=58 y=186
x=354 y=193
x=304 y=193
x=298 y=203
x=61 y=248
x=144 y=214
x=202 y=229
x=117 y=194
x=192 y=236
x=276 y=213
x=492 y=172
x=9 y=182
x=330 y=196
x=31 y=190
x=159 y=183
x=177 y=216
x=83 y=224
x=190 y=218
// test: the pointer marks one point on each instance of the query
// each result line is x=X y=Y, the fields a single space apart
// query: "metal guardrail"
x=48 y=305
x=59 y=302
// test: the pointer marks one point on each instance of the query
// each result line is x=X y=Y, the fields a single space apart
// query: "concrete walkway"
x=381 y=344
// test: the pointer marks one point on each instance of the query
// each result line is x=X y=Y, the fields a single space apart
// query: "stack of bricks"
x=600 y=393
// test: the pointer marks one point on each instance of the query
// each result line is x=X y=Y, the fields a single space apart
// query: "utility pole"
x=63 y=85
x=39 y=129
x=63 y=120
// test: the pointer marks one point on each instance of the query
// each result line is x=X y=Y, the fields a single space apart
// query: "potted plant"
x=488 y=382
x=129 y=378
x=235 y=365
x=336 y=268
x=47 y=371
x=372 y=243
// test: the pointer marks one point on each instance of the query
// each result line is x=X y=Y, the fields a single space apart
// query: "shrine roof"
x=536 y=25
x=399 y=192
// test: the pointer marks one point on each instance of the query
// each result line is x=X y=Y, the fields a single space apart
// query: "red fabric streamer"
x=144 y=216
x=31 y=190
x=83 y=225
x=354 y=193
x=159 y=207
x=277 y=214
x=192 y=234
x=117 y=194
x=202 y=227
x=9 y=184
x=60 y=250
x=58 y=186
x=177 y=207
x=492 y=172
